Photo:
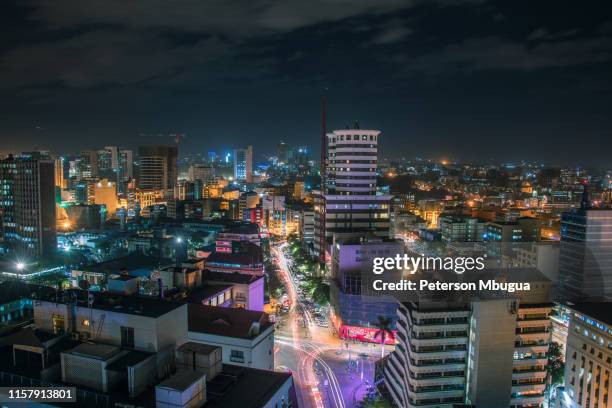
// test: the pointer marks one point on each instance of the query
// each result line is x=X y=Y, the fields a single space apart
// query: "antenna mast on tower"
x=323 y=172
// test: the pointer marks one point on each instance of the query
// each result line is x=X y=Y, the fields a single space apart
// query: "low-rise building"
x=238 y=232
x=247 y=290
x=460 y=228
x=245 y=336
x=133 y=351
x=248 y=262
x=212 y=295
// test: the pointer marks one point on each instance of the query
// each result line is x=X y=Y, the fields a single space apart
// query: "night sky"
x=467 y=80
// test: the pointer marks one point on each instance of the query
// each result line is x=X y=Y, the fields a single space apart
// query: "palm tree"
x=384 y=332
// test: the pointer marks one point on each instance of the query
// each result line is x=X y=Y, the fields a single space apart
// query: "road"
x=327 y=372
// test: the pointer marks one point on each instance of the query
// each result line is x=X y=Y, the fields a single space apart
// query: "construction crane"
x=177 y=138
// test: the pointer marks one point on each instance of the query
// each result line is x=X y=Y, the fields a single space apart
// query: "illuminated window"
x=85 y=322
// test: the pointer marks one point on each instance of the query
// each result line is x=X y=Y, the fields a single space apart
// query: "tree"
x=555 y=366
x=384 y=332
x=373 y=399
x=317 y=289
x=320 y=294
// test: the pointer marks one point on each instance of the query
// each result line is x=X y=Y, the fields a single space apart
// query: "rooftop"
x=252 y=257
x=130 y=263
x=122 y=277
x=181 y=380
x=98 y=351
x=132 y=358
x=206 y=292
x=199 y=348
x=13 y=290
x=147 y=306
x=242 y=228
x=242 y=387
x=601 y=311
x=228 y=322
x=28 y=337
x=234 y=277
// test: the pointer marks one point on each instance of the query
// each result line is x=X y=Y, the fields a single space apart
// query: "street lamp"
x=20 y=266
x=179 y=240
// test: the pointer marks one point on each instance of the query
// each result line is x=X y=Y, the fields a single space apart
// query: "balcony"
x=419 y=395
x=534 y=310
x=393 y=382
x=439 y=341
x=394 y=373
x=527 y=399
x=532 y=349
x=533 y=336
x=540 y=361
x=436 y=355
x=525 y=374
x=442 y=314
x=539 y=388
x=425 y=335
x=438 y=368
x=440 y=327
x=437 y=379
x=533 y=323
x=394 y=389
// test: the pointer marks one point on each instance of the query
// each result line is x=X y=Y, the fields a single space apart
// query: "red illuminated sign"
x=365 y=334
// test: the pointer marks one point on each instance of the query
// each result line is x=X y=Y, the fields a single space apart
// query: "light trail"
x=331 y=377
x=291 y=285
x=310 y=350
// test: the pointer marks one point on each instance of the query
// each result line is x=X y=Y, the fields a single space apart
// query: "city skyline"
x=306 y=204
x=462 y=80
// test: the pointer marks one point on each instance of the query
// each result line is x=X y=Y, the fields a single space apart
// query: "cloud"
x=495 y=53
x=228 y=17
x=115 y=42
x=394 y=32
x=542 y=34
x=104 y=57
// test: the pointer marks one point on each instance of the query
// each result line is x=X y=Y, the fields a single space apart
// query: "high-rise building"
x=307 y=226
x=105 y=194
x=125 y=170
x=247 y=201
x=298 y=190
x=114 y=156
x=282 y=152
x=108 y=161
x=88 y=164
x=243 y=164
x=585 y=254
x=158 y=168
x=588 y=357
x=349 y=202
x=483 y=351
x=354 y=309
x=274 y=214
x=299 y=160
x=27 y=205
x=203 y=172
x=126 y=163
x=59 y=172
